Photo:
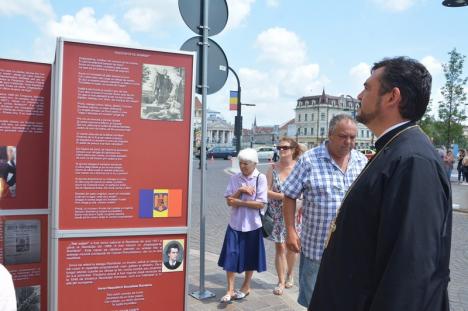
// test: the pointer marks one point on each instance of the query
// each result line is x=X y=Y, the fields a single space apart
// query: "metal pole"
x=238 y=128
x=202 y=293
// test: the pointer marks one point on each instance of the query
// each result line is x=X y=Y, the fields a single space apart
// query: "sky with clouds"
x=282 y=50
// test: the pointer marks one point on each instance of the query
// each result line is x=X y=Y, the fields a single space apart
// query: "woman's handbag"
x=267 y=219
x=267 y=222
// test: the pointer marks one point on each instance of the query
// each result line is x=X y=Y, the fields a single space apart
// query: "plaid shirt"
x=323 y=185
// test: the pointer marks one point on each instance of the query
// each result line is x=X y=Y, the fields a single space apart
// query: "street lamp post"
x=354 y=106
x=238 y=120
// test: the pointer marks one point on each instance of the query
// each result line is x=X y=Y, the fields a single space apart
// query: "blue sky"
x=282 y=50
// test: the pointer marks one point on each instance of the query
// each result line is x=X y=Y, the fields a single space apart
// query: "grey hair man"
x=322 y=176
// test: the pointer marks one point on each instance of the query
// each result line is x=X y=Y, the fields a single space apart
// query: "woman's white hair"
x=248 y=154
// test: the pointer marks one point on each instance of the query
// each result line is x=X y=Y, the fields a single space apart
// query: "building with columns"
x=313 y=114
x=219 y=131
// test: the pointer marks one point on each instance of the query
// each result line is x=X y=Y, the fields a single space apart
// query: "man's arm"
x=293 y=242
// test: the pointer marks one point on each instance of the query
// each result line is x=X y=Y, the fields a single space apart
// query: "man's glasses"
x=283 y=147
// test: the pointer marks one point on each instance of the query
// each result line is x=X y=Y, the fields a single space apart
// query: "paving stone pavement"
x=217 y=215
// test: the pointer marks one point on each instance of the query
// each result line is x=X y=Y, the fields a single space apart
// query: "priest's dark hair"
x=412 y=79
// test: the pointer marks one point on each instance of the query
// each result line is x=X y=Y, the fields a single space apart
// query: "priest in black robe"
x=389 y=247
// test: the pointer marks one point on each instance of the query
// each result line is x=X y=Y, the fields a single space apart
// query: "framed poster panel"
x=122 y=273
x=23 y=251
x=123 y=151
x=24 y=134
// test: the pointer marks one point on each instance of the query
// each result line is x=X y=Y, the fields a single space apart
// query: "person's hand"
x=232 y=201
x=247 y=189
x=293 y=243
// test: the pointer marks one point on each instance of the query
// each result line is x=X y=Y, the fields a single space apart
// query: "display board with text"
x=122 y=273
x=125 y=137
x=25 y=89
x=23 y=251
x=122 y=123
x=24 y=134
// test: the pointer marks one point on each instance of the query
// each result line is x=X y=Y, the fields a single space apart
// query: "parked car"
x=369 y=153
x=265 y=153
x=221 y=152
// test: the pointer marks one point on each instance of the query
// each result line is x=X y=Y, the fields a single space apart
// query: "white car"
x=265 y=153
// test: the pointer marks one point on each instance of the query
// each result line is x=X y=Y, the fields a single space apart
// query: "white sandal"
x=238 y=294
x=226 y=298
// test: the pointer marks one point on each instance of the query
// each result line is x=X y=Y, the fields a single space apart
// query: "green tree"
x=452 y=107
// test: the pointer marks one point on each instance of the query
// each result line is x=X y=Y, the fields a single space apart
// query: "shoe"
x=226 y=299
x=238 y=295
x=278 y=290
x=289 y=282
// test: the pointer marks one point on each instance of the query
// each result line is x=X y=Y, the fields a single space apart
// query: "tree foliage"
x=452 y=107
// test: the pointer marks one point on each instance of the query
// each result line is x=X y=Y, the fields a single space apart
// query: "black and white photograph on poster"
x=22 y=241
x=162 y=91
x=28 y=298
x=7 y=172
x=173 y=255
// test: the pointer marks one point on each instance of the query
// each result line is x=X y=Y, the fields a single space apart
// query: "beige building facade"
x=313 y=114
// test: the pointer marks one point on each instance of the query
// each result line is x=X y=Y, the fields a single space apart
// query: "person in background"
x=389 y=247
x=461 y=175
x=322 y=176
x=288 y=150
x=465 y=165
x=7 y=291
x=448 y=162
x=243 y=249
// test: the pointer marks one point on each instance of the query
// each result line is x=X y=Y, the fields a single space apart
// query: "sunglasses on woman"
x=283 y=147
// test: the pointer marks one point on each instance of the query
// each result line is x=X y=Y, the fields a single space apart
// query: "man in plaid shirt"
x=322 y=175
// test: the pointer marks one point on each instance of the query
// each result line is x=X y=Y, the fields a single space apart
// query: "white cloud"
x=302 y=80
x=37 y=10
x=281 y=47
x=239 y=10
x=395 y=5
x=287 y=75
x=152 y=16
x=84 y=25
x=360 y=72
x=261 y=88
x=273 y=3
x=433 y=65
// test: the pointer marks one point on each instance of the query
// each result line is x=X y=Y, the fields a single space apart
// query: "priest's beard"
x=368 y=117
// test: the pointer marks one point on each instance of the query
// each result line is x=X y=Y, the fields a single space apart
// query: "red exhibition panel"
x=23 y=251
x=122 y=273
x=125 y=137
x=24 y=134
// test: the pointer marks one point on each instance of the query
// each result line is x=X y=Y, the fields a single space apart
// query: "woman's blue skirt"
x=243 y=251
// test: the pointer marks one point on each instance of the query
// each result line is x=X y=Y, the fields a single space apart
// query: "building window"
x=311 y=131
x=305 y=131
x=322 y=116
x=322 y=131
x=299 y=117
x=312 y=117
x=362 y=133
x=305 y=117
x=368 y=134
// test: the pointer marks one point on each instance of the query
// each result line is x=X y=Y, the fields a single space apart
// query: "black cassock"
x=391 y=246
